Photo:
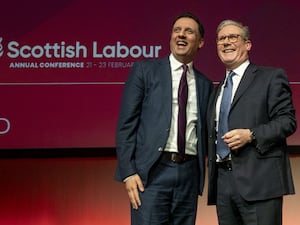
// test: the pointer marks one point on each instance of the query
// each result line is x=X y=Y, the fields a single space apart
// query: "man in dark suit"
x=162 y=185
x=247 y=183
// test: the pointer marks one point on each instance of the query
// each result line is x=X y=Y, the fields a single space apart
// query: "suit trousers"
x=232 y=209
x=171 y=195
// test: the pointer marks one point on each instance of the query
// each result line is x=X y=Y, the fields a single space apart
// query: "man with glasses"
x=250 y=115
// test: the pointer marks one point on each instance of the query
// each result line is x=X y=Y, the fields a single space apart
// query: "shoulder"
x=201 y=76
x=267 y=72
x=265 y=69
x=149 y=69
x=152 y=62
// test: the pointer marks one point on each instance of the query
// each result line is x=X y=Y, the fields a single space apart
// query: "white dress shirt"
x=239 y=72
x=191 y=137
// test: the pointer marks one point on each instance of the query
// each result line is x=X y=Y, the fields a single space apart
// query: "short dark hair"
x=192 y=16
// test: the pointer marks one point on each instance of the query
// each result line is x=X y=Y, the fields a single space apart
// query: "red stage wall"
x=81 y=191
x=63 y=63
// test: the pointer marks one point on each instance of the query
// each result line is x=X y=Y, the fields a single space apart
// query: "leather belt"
x=174 y=157
x=226 y=165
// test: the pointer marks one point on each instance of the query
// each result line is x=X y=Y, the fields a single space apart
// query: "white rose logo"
x=1 y=47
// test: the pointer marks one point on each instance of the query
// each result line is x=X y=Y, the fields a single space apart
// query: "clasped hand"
x=237 y=138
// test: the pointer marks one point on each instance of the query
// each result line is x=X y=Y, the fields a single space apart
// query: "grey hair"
x=245 y=30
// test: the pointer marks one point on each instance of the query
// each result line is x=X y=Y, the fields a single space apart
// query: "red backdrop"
x=63 y=63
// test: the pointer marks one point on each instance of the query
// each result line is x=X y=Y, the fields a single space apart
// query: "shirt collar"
x=240 y=70
x=176 y=65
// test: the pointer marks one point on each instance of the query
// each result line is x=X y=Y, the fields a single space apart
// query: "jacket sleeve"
x=281 y=113
x=128 y=121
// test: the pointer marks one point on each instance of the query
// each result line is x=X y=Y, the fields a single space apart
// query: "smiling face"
x=232 y=48
x=185 y=40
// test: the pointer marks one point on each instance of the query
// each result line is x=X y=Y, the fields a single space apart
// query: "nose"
x=225 y=44
x=181 y=34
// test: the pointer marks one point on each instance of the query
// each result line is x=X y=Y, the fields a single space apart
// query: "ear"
x=201 y=43
x=248 y=45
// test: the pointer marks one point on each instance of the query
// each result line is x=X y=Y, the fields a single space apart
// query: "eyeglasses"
x=231 y=38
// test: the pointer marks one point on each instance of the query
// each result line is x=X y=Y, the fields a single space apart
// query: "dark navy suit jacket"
x=263 y=103
x=145 y=118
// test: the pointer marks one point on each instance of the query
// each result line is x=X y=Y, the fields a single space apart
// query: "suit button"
x=160 y=149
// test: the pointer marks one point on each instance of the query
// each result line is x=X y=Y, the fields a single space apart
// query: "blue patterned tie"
x=222 y=148
x=182 y=101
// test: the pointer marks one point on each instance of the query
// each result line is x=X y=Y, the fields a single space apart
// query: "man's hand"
x=133 y=185
x=237 y=138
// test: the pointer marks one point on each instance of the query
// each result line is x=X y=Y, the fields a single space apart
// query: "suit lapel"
x=199 y=90
x=244 y=84
x=165 y=77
